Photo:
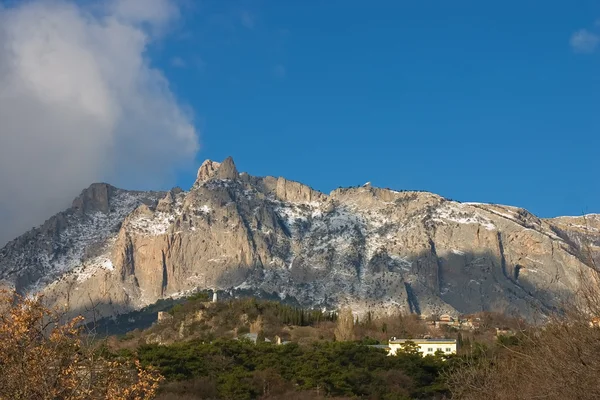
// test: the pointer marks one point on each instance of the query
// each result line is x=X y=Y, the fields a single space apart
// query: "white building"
x=426 y=346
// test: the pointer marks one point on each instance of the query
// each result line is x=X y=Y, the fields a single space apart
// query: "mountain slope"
x=374 y=249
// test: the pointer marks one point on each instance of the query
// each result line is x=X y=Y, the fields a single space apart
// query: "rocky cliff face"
x=374 y=249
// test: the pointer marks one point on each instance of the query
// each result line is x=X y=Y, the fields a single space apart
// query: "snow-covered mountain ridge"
x=375 y=249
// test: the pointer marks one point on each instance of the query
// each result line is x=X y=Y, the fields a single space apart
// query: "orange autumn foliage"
x=42 y=358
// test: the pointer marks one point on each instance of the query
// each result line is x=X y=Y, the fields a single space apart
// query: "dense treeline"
x=197 y=319
x=283 y=313
x=278 y=312
x=289 y=315
x=242 y=370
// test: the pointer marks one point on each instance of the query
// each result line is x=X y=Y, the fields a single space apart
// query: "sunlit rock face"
x=374 y=249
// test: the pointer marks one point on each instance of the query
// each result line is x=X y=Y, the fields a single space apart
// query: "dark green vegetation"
x=243 y=370
x=273 y=312
x=193 y=348
x=197 y=319
x=288 y=311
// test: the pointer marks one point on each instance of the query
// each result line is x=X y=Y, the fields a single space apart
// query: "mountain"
x=373 y=249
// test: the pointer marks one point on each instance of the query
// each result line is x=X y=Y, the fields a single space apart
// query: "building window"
x=448 y=349
x=430 y=350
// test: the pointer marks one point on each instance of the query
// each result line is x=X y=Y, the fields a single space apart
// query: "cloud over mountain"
x=81 y=102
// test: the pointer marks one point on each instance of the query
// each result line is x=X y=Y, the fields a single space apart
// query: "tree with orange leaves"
x=42 y=359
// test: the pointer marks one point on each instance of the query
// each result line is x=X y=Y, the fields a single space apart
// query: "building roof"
x=423 y=341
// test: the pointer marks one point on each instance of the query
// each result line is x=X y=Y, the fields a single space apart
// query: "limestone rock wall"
x=371 y=248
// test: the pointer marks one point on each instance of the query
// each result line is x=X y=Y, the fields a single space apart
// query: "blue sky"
x=476 y=101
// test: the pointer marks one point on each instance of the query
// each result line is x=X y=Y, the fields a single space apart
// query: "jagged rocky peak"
x=372 y=248
x=366 y=196
x=94 y=198
x=227 y=170
x=166 y=203
x=207 y=170
x=279 y=187
x=215 y=170
x=284 y=190
x=296 y=192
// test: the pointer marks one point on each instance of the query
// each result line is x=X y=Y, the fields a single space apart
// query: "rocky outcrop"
x=373 y=249
x=227 y=170
x=207 y=170
x=214 y=170
x=295 y=192
x=94 y=198
x=583 y=233
x=58 y=257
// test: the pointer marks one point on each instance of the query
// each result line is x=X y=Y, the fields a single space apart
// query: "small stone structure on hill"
x=164 y=316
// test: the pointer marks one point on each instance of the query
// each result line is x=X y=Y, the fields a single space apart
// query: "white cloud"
x=584 y=41
x=80 y=103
